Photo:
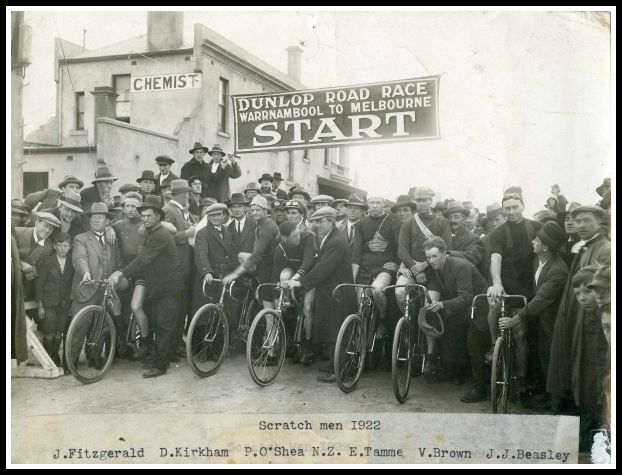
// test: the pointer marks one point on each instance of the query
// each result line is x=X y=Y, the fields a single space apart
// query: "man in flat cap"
x=128 y=188
x=267 y=237
x=47 y=199
x=68 y=211
x=220 y=170
x=332 y=267
x=592 y=249
x=165 y=176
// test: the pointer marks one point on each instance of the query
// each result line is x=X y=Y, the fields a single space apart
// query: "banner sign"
x=165 y=82
x=353 y=115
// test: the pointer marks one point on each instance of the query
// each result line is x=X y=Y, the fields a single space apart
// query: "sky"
x=525 y=97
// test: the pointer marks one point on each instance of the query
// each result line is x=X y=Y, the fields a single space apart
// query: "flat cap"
x=324 y=212
x=49 y=218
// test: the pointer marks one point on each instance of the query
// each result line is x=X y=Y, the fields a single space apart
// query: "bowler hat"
x=152 y=202
x=456 y=207
x=322 y=199
x=165 y=158
x=324 y=212
x=552 y=235
x=265 y=176
x=423 y=192
x=260 y=201
x=298 y=190
x=147 y=175
x=103 y=173
x=99 y=208
x=71 y=179
x=404 y=200
x=71 y=200
x=237 y=199
x=252 y=186
x=216 y=149
x=356 y=200
x=49 y=218
x=128 y=187
x=179 y=186
x=277 y=176
x=493 y=210
x=198 y=146
x=215 y=207
x=207 y=201
x=596 y=210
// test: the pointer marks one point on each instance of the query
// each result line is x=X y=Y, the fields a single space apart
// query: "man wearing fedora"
x=464 y=243
x=404 y=208
x=19 y=214
x=297 y=192
x=340 y=205
x=157 y=263
x=242 y=227
x=147 y=182
x=356 y=208
x=197 y=166
x=68 y=212
x=252 y=189
x=592 y=249
x=48 y=199
x=100 y=192
x=265 y=185
x=214 y=256
x=277 y=179
x=176 y=213
x=165 y=175
x=220 y=169
x=550 y=276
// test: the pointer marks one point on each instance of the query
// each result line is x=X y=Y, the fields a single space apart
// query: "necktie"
x=219 y=232
x=100 y=237
x=239 y=230
x=350 y=231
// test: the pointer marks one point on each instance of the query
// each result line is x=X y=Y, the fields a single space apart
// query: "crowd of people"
x=162 y=238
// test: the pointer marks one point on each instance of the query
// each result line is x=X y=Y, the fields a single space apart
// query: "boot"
x=55 y=356
x=143 y=350
x=307 y=356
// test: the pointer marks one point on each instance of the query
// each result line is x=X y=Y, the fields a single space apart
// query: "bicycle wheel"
x=419 y=353
x=265 y=348
x=208 y=340
x=252 y=308
x=90 y=344
x=499 y=378
x=401 y=360
x=350 y=351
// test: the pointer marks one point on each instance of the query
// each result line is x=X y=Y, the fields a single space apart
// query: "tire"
x=265 y=347
x=208 y=340
x=401 y=360
x=91 y=339
x=499 y=378
x=350 y=352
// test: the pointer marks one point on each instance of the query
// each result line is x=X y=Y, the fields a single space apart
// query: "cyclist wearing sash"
x=374 y=253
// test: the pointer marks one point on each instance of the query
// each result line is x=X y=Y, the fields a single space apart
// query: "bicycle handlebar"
x=421 y=287
x=96 y=282
x=262 y=285
x=358 y=286
x=218 y=280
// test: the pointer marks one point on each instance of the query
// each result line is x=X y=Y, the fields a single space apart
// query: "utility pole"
x=20 y=59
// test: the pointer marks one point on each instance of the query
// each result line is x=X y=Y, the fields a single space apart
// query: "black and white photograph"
x=310 y=236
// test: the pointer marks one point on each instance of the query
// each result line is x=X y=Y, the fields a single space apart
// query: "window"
x=79 y=111
x=35 y=181
x=327 y=157
x=306 y=155
x=121 y=86
x=223 y=94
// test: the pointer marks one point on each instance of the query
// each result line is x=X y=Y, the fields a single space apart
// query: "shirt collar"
x=38 y=240
x=324 y=239
x=241 y=221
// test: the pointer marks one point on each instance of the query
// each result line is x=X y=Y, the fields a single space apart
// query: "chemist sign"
x=371 y=113
x=166 y=82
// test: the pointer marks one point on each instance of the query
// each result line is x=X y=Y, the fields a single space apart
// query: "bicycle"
x=356 y=338
x=502 y=379
x=91 y=338
x=408 y=351
x=250 y=306
x=208 y=336
x=267 y=341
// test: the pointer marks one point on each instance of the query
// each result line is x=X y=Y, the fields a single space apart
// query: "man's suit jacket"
x=549 y=289
x=467 y=245
x=88 y=255
x=219 y=181
x=281 y=194
x=53 y=286
x=342 y=227
x=173 y=215
x=29 y=250
x=245 y=241
x=213 y=254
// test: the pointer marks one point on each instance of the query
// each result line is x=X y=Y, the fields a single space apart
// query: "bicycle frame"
x=368 y=318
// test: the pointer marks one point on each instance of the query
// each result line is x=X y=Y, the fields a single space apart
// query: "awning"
x=337 y=189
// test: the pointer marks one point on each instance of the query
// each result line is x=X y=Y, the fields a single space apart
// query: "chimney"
x=294 y=62
x=105 y=104
x=165 y=30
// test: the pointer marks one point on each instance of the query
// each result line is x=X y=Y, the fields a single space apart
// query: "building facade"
x=126 y=103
